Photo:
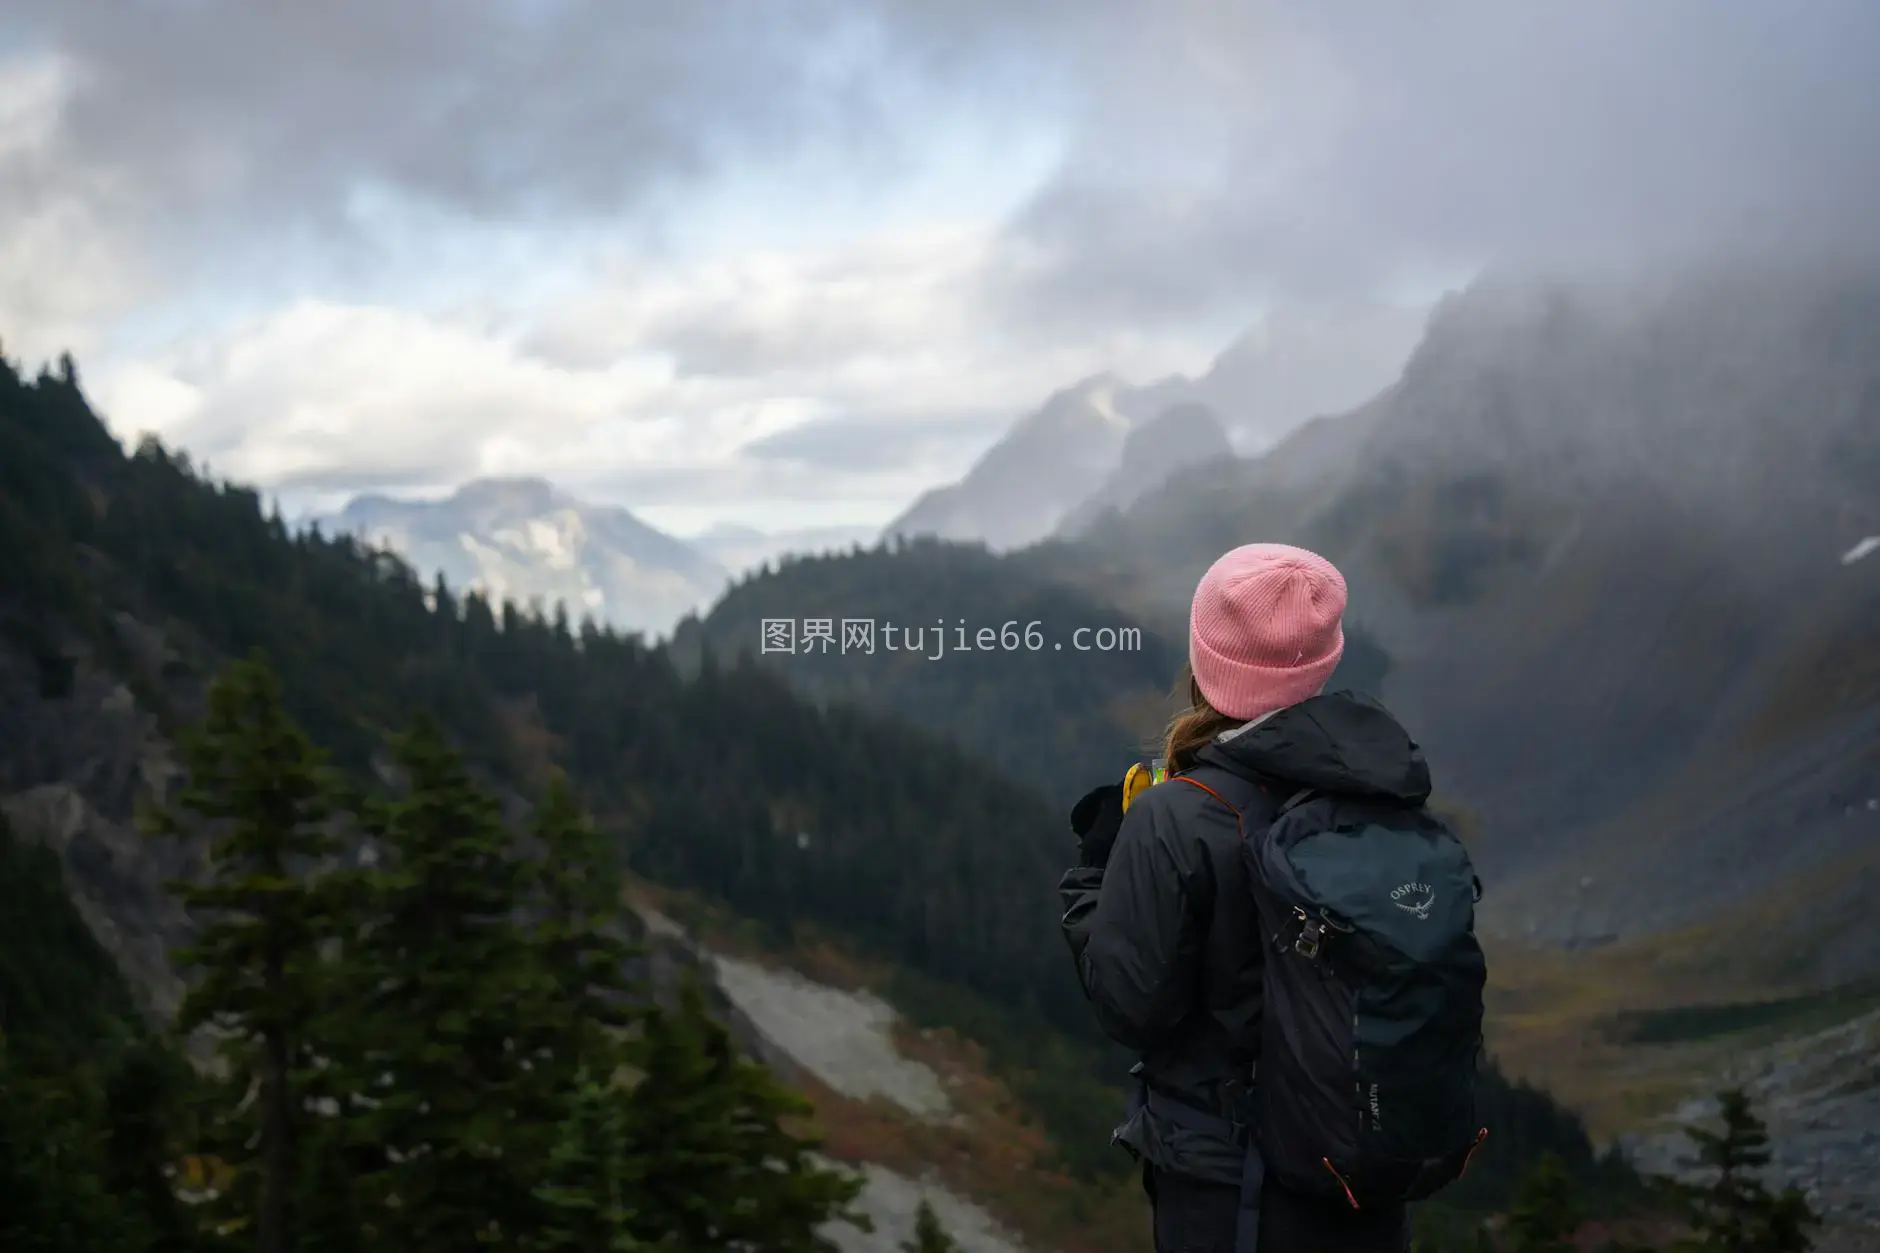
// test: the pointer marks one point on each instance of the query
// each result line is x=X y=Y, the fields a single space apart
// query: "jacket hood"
x=1343 y=743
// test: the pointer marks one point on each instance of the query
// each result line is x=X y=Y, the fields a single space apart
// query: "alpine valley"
x=1612 y=556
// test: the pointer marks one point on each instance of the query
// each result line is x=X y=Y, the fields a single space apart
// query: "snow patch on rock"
x=891 y=1202
x=843 y=1038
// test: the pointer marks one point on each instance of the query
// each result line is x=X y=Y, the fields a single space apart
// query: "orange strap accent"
x=1479 y=1137
x=1239 y=818
x=1341 y=1182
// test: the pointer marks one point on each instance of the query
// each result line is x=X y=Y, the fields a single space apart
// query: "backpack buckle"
x=1307 y=945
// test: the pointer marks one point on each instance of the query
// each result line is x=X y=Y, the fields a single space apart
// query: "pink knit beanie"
x=1265 y=629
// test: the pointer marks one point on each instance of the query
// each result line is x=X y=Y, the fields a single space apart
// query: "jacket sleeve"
x=1131 y=931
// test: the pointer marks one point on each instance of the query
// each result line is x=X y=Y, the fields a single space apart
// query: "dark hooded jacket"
x=1165 y=935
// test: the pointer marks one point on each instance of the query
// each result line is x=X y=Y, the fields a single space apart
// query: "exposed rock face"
x=672 y=958
x=843 y=1038
x=1820 y=1095
x=804 y=1029
x=72 y=770
x=115 y=878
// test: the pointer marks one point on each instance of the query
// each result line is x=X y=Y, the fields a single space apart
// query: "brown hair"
x=1194 y=727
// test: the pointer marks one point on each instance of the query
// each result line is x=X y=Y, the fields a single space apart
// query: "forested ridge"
x=726 y=783
x=1007 y=657
x=1084 y=712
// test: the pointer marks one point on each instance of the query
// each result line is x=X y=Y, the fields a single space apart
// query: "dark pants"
x=1192 y=1216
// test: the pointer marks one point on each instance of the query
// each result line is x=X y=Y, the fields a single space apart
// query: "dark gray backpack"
x=1372 y=1033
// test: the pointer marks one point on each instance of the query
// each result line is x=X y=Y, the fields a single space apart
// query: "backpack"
x=1371 y=1041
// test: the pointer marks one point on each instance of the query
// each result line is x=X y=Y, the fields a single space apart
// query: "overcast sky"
x=790 y=263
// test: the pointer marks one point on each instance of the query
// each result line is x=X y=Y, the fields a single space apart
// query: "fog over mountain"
x=1602 y=527
x=1104 y=441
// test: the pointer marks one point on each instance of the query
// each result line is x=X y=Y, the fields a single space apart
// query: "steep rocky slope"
x=1182 y=436
x=1063 y=465
x=1022 y=487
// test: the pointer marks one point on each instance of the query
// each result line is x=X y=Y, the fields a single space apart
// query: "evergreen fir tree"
x=929 y=1235
x=592 y=1179
x=576 y=896
x=261 y=787
x=1547 y=1210
x=1734 y=1210
x=142 y=1119
x=445 y=971
x=334 y=1218
x=721 y=1169
x=581 y=1001
x=52 y=1194
x=1789 y=1224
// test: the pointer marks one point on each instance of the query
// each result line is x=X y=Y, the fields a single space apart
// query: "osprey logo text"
x=1414 y=898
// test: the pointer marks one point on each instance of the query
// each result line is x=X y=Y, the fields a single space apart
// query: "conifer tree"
x=333 y=1217
x=444 y=968
x=582 y=960
x=721 y=1168
x=929 y=1235
x=262 y=789
x=593 y=1178
x=143 y=1117
x=52 y=1194
x=1734 y=1209
x=1547 y=1210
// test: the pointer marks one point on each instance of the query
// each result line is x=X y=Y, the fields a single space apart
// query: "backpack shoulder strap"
x=1297 y=799
x=1222 y=784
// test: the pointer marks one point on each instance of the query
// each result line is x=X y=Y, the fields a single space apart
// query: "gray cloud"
x=859 y=444
x=1219 y=153
x=1216 y=156
x=1337 y=148
x=232 y=111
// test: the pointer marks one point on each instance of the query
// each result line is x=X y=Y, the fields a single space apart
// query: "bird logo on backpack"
x=1414 y=898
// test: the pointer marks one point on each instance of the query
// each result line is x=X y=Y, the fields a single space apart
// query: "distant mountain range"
x=1092 y=448
x=524 y=540
x=1102 y=442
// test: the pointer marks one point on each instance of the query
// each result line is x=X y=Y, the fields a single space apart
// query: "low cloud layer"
x=1329 y=149
x=766 y=255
